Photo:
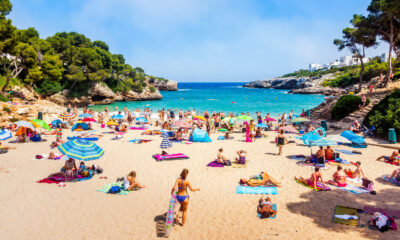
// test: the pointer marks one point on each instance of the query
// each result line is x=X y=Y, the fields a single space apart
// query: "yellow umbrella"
x=199 y=118
x=112 y=123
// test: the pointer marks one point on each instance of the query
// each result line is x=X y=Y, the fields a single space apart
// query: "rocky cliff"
x=163 y=84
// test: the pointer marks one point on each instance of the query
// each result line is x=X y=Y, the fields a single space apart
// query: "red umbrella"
x=290 y=129
x=88 y=120
x=270 y=120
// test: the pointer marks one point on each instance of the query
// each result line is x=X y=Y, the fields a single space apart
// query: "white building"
x=312 y=67
x=384 y=57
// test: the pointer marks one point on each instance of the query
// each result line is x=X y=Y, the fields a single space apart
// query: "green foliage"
x=3 y=98
x=152 y=89
x=385 y=115
x=48 y=87
x=6 y=109
x=346 y=105
x=5 y=7
x=14 y=82
x=101 y=45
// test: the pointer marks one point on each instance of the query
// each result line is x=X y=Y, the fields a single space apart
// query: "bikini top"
x=180 y=186
x=265 y=202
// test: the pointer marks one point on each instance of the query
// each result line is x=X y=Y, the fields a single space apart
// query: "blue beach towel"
x=353 y=189
x=88 y=139
x=274 y=207
x=256 y=190
x=221 y=138
x=345 y=151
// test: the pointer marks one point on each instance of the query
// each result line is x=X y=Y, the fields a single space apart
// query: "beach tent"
x=356 y=141
x=84 y=126
x=200 y=136
x=56 y=123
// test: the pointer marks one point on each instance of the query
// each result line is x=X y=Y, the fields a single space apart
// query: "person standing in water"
x=182 y=196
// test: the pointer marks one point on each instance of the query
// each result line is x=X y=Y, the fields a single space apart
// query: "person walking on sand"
x=280 y=141
x=371 y=89
x=182 y=196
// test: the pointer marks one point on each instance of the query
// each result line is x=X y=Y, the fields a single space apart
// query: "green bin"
x=40 y=115
x=324 y=125
x=392 y=136
x=308 y=113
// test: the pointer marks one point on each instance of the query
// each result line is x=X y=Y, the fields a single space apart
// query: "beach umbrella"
x=244 y=118
x=112 y=123
x=182 y=124
x=88 y=120
x=81 y=150
x=86 y=115
x=323 y=142
x=165 y=143
x=56 y=122
x=290 y=129
x=118 y=116
x=25 y=124
x=338 y=139
x=5 y=134
x=222 y=130
x=262 y=125
x=40 y=123
x=197 y=117
x=141 y=119
x=155 y=117
x=227 y=119
x=66 y=115
x=270 y=120
x=300 y=119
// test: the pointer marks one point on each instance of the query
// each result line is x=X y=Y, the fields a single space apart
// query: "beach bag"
x=336 y=155
x=114 y=190
x=367 y=184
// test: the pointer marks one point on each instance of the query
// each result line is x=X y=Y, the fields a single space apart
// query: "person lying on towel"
x=339 y=178
x=358 y=173
x=396 y=175
x=316 y=177
x=265 y=179
x=392 y=157
x=264 y=208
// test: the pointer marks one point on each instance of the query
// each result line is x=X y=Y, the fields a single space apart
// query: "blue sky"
x=203 y=40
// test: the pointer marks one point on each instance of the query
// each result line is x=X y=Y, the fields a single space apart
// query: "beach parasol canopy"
x=323 y=142
x=25 y=124
x=86 y=115
x=300 y=119
x=165 y=143
x=182 y=124
x=118 y=116
x=88 y=120
x=40 y=123
x=244 y=118
x=338 y=139
x=290 y=129
x=227 y=119
x=112 y=123
x=198 y=117
x=155 y=117
x=262 y=125
x=66 y=115
x=81 y=150
x=5 y=134
x=270 y=120
x=141 y=119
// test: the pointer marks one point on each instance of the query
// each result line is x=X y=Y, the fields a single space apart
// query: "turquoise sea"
x=226 y=97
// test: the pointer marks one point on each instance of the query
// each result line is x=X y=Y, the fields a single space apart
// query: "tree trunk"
x=361 y=74
x=8 y=77
x=73 y=85
x=390 y=54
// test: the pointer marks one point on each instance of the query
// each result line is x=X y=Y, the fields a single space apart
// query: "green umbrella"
x=244 y=117
x=300 y=119
x=41 y=124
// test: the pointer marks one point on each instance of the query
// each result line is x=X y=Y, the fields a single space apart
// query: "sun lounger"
x=175 y=156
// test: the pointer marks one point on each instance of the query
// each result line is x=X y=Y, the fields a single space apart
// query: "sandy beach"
x=46 y=211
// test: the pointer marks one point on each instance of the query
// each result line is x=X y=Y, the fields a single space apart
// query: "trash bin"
x=324 y=125
x=40 y=115
x=308 y=113
x=392 y=136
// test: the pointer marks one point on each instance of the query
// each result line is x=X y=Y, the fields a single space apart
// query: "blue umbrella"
x=5 y=134
x=86 y=115
x=141 y=119
x=262 y=125
x=81 y=150
x=323 y=142
x=118 y=116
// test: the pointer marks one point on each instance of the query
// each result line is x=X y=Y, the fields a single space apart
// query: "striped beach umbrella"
x=118 y=116
x=25 y=124
x=85 y=115
x=165 y=143
x=66 y=115
x=81 y=150
x=5 y=134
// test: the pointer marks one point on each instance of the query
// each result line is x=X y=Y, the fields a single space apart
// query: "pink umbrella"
x=183 y=124
x=290 y=129
x=270 y=120
x=88 y=120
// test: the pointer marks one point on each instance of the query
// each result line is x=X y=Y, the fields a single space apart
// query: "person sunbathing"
x=358 y=173
x=392 y=157
x=316 y=177
x=178 y=135
x=339 y=178
x=242 y=157
x=265 y=180
x=264 y=208
x=53 y=156
x=221 y=157
x=130 y=182
x=57 y=143
x=396 y=175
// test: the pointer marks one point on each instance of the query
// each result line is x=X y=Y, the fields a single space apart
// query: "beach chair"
x=369 y=132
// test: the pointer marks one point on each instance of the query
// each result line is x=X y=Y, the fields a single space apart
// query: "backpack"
x=114 y=190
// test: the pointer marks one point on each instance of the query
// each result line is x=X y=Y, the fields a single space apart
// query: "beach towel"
x=59 y=178
x=45 y=156
x=256 y=190
x=319 y=187
x=274 y=207
x=221 y=138
x=352 y=189
x=175 y=156
x=333 y=163
x=297 y=157
x=305 y=164
x=107 y=187
x=215 y=164
x=341 y=212
x=368 y=209
x=348 y=152
x=391 y=180
x=392 y=163
x=137 y=128
x=140 y=140
x=238 y=165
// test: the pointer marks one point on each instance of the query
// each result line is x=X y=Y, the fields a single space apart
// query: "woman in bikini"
x=264 y=208
x=130 y=182
x=339 y=178
x=182 y=196
x=313 y=180
x=280 y=141
x=242 y=157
